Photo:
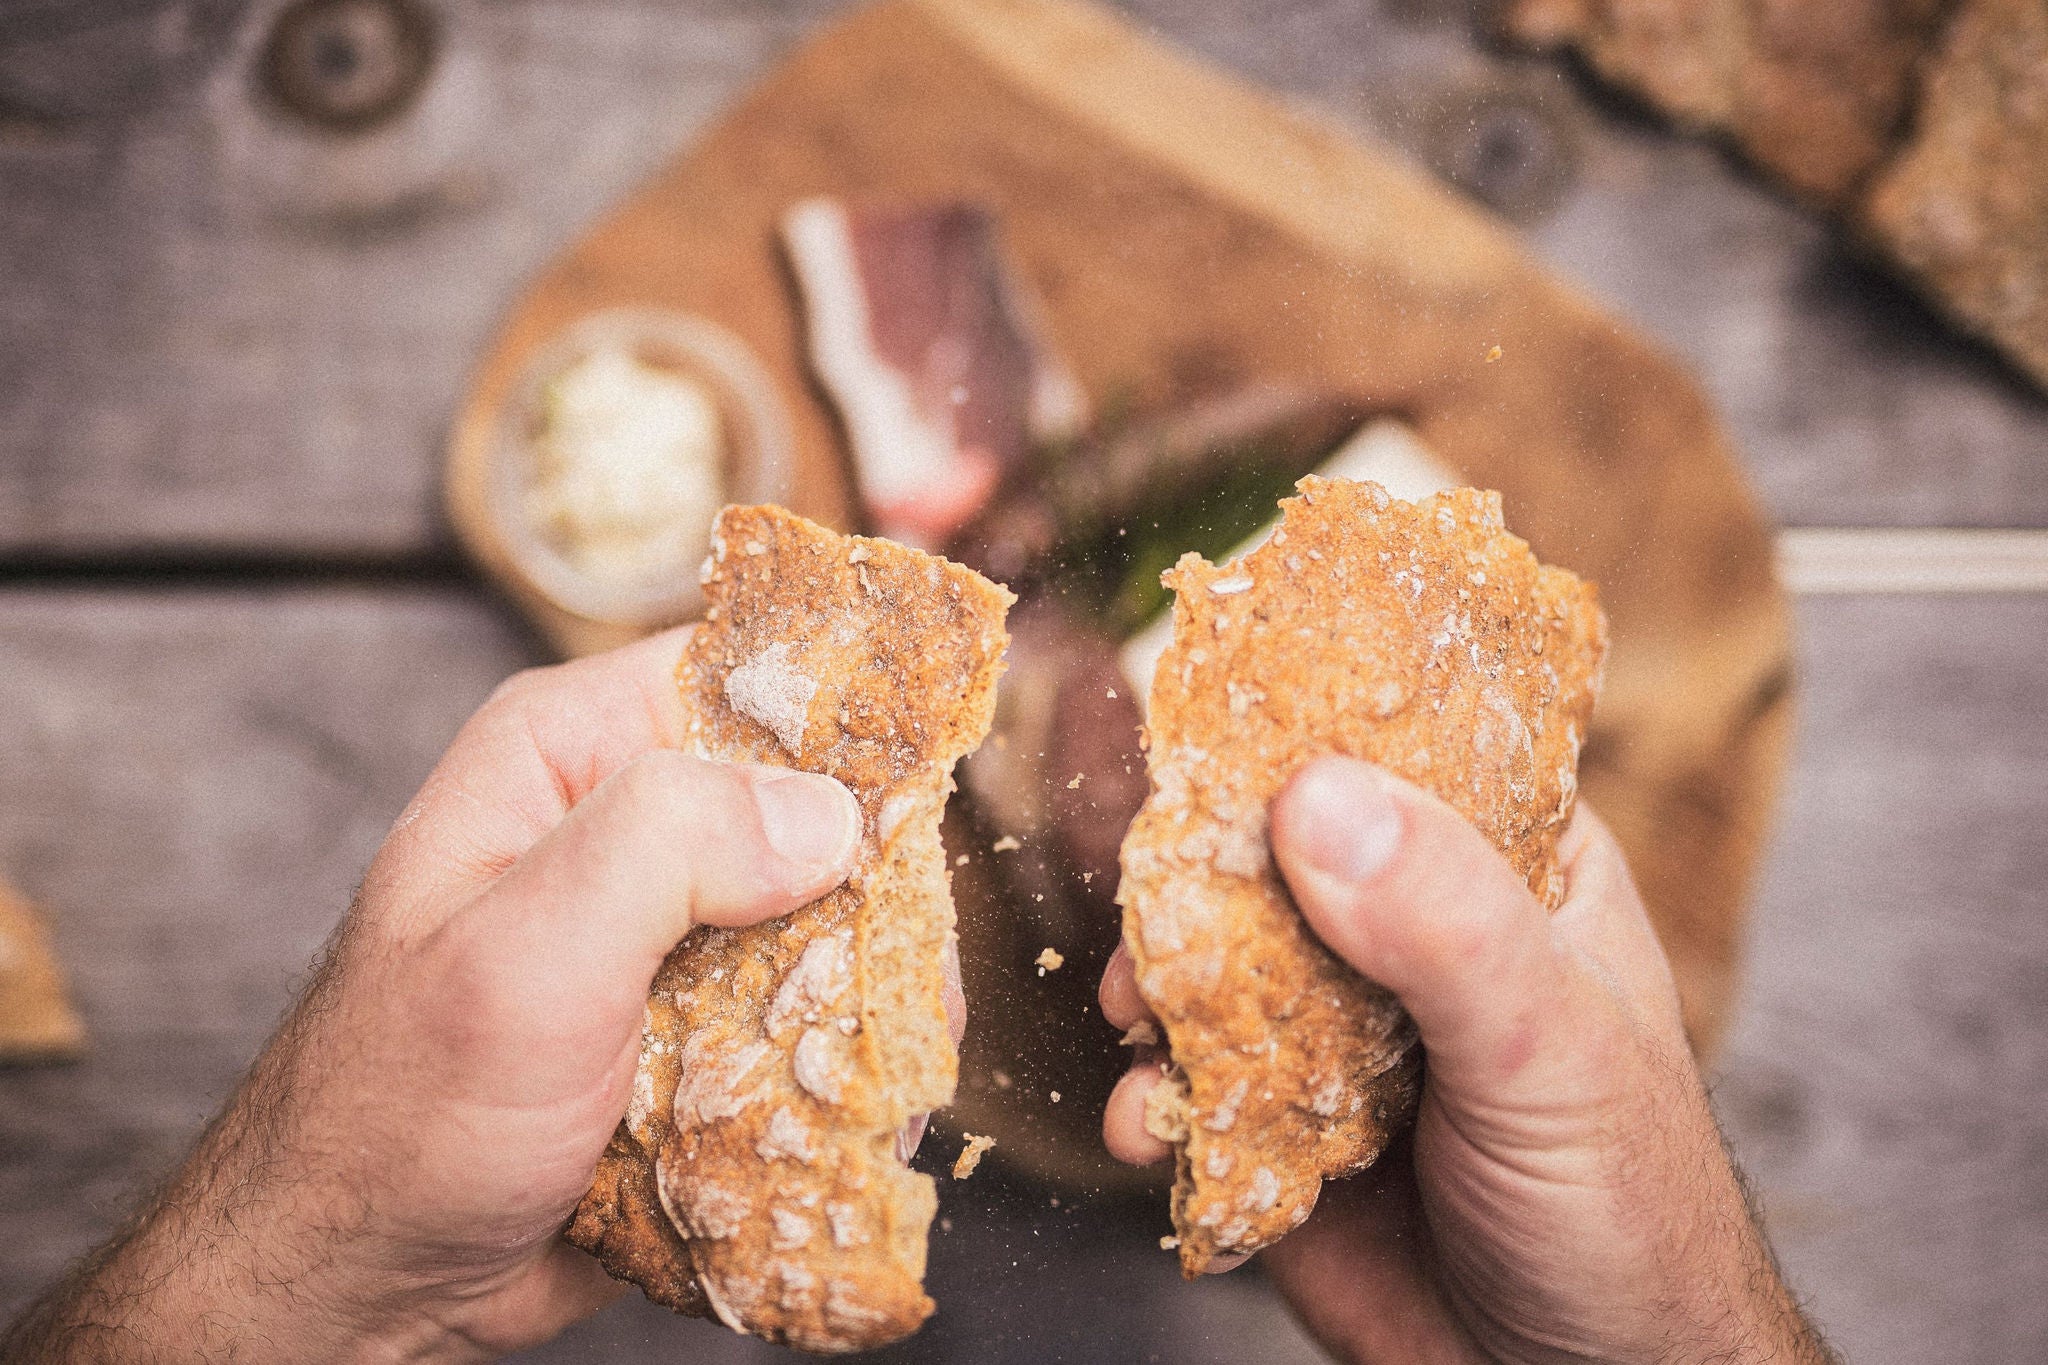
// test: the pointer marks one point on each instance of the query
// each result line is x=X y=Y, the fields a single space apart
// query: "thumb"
x=1407 y=892
x=551 y=965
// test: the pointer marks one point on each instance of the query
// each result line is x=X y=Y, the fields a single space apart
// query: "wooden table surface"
x=233 y=635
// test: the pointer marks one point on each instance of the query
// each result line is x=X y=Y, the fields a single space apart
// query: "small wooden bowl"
x=491 y=472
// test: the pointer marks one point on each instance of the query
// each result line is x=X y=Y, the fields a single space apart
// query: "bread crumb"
x=1074 y=783
x=1111 y=694
x=1492 y=355
x=1001 y=1078
x=1009 y=843
x=1049 y=960
x=970 y=1156
x=1055 y=1096
x=1169 y=1242
x=1144 y=1033
x=960 y=861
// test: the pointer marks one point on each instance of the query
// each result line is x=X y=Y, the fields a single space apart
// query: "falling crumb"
x=1169 y=1242
x=1087 y=878
x=1001 y=1078
x=1492 y=355
x=1009 y=843
x=1055 y=1096
x=970 y=1155
x=1049 y=960
x=1144 y=1033
x=945 y=1225
x=960 y=861
x=1111 y=694
x=1074 y=782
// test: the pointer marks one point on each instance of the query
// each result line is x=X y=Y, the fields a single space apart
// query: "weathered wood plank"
x=195 y=782
x=1887 y=1078
x=200 y=357
x=211 y=345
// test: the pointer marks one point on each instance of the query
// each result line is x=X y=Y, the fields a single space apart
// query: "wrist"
x=247 y=1276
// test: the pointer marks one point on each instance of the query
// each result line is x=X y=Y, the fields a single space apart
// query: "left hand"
x=390 y=1179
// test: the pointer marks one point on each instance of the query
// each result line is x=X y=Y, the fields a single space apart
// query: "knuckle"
x=658 y=779
x=1465 y=940
x=517 y=691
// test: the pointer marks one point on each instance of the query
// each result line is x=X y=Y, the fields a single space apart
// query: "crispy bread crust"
x=1420 y=636
x=756 y=1176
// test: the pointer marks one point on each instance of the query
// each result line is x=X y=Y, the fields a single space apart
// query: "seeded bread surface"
x=757 y=1176
x=1421 y=637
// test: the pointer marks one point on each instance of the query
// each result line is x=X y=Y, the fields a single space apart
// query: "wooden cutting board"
x=1183 y=228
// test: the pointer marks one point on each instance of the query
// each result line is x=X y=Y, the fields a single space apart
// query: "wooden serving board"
x=1181 y=228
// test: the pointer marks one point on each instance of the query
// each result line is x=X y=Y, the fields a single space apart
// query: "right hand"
x=1566 y=1195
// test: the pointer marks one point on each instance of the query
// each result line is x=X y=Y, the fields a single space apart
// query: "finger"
x=1361 y=1272
x=542 y=742
x=1123 y=1118
x=954 y=997
x=1122 y=1005
x=551 y=965
x=563 y=1287
x=955 y=994
x=1603 y=919
x=1416 y=899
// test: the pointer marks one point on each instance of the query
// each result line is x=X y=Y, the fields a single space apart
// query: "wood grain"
x=203 y=366
x=197 y=781
x=1887 y=1079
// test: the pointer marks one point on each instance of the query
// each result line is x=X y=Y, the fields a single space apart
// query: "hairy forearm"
x=244 y=1254
x=1777 y=1328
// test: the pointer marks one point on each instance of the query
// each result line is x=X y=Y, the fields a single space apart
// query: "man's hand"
x=389 y=1180
x=1566 y=1195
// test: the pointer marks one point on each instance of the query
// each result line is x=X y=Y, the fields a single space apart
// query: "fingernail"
x=811 y=822
x=1346 y=823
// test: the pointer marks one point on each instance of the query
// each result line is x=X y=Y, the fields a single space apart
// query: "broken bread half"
x=759 y=1175
x=1418 y=636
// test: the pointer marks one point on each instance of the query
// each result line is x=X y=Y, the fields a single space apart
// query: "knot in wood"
x=348 y=65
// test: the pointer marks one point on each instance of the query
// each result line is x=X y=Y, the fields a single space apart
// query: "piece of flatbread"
x=1419 y=636
x=759 y=1175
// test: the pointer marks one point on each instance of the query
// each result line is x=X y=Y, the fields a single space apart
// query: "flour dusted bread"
x=758 y=1175
x=1419 y=636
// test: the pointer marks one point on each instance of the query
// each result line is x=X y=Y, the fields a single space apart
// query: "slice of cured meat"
x=932 y=354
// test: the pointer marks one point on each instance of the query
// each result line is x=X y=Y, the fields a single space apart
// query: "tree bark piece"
x=37 y=1021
